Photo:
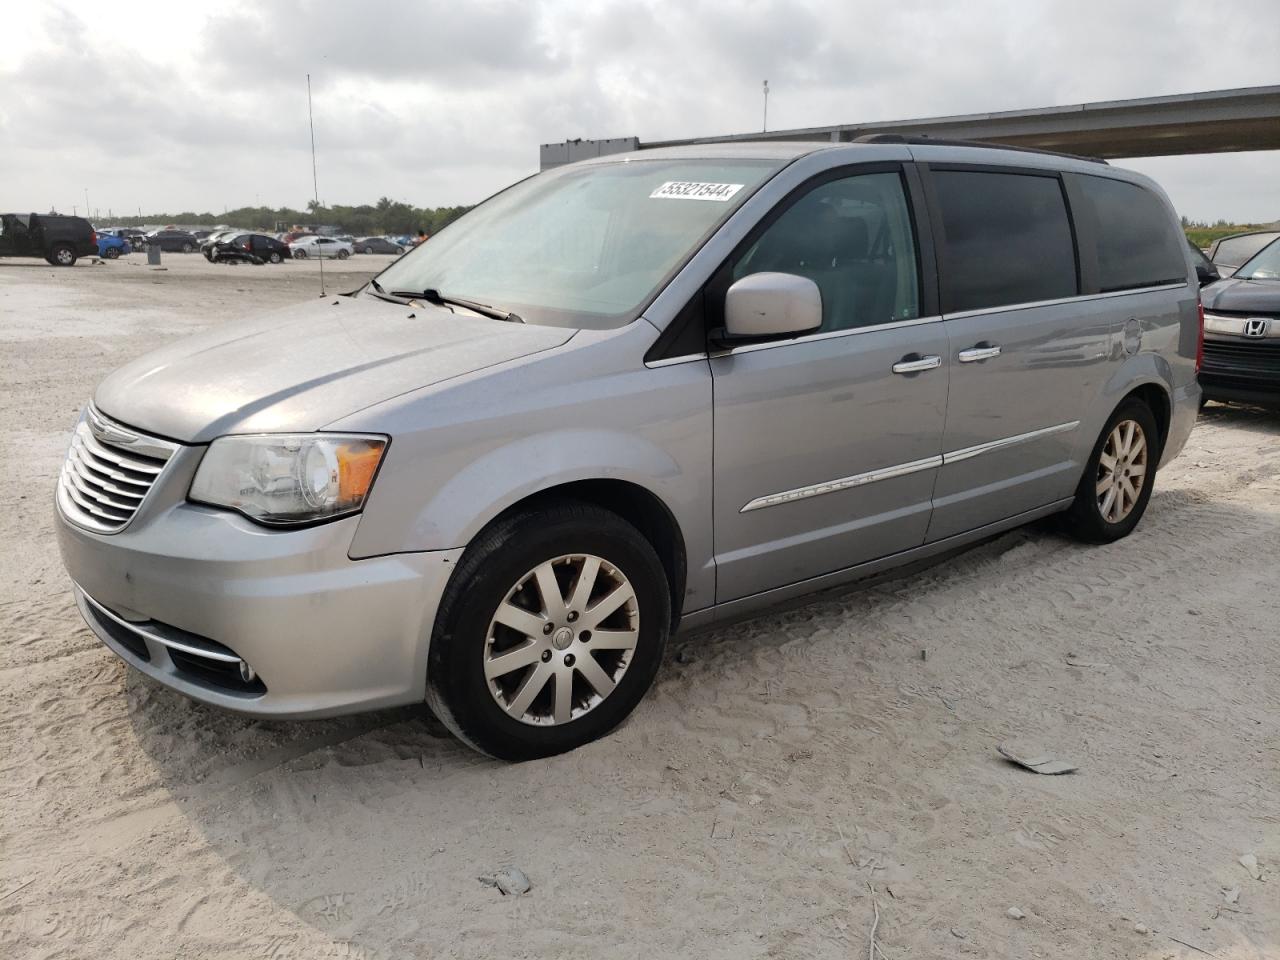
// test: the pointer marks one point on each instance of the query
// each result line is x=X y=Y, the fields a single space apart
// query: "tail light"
x=1200 y=338
x=95 y=236
x=246 y=244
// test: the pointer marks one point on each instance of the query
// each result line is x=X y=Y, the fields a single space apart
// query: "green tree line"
x=1203 y=234
x=387 y=216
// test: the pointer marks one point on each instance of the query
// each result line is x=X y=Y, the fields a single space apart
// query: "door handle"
x=978 y=354
x=917 y=365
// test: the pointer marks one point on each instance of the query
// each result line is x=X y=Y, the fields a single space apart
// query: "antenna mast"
x=315 y=182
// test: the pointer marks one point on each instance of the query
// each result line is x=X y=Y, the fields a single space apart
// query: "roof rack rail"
x=941 y=142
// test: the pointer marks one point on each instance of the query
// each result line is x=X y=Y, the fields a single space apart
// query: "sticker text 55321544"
x=691 y=190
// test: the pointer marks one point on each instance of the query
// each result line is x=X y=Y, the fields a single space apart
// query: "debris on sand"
x=1250 y=863
x=1013 y=913
x=1034 y=758
x=510 y=881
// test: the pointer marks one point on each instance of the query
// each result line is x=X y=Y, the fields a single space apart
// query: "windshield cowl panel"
x=584 y=246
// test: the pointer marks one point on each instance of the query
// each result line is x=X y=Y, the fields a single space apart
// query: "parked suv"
x=1242 y=332
x=59 y=239
x=623 y=397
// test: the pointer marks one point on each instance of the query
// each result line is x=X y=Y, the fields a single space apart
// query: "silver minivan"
x=638 y=394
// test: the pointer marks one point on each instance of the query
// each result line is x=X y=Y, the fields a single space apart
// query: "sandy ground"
x=780 y=771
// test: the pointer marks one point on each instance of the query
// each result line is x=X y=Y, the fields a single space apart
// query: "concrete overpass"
x=1217 y=121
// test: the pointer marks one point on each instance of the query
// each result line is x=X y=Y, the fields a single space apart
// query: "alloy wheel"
x=1122 y=470
x=561 y=640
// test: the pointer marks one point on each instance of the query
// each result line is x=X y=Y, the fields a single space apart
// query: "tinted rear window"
x=1007 y=239
x=1137 y=243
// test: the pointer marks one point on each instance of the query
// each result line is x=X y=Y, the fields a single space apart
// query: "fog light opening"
x=247 y=673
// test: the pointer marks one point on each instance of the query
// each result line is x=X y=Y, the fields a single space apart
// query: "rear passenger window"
x=1006 y=239
x=1137 y=243
x=853 y=238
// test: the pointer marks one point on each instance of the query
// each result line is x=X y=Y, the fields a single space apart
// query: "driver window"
x=853 y=238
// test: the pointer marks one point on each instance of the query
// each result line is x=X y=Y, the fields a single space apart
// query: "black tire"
x=343 y=254
x=457 y=690
x=187 y=248
x=275 y=257
x=1085 y=520
x=299 y=254
x=111 y=253
x=63 y=255
x=368 y=249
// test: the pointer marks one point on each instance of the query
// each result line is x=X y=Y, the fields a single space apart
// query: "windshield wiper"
x=382 y=294
x=432 y=295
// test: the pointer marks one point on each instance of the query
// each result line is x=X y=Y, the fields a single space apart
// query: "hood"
x=1242 y=296
x=300 y=368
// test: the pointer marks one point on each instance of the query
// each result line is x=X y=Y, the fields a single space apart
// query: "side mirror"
x=1207 y=273
x=770 y=305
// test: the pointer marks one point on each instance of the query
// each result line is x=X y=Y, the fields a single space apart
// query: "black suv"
x=58 y=239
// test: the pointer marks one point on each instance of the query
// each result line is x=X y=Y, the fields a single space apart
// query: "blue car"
x=110 y=246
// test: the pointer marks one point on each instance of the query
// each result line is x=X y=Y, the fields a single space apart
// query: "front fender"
x=502 y=477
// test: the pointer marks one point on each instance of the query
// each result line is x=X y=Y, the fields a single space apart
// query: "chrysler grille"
x=104 y=481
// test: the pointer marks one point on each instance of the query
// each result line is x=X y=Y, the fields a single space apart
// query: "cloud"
x=442 y=102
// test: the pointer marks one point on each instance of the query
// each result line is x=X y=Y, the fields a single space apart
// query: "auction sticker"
x=691 y=190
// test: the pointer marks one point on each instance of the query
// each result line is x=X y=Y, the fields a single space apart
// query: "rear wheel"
x=550 y=632
x=368 y=249
x=63 y=255
x=111 y=253
x=299 y=254
x=1116 y=486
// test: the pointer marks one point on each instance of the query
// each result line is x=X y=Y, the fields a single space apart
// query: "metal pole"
x=315 y=181
x=764 y=127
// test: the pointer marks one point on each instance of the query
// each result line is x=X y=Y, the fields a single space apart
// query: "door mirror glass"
x=1206 y=273
x=772 y=304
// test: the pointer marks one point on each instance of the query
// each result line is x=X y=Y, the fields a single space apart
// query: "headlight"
x=289 y=478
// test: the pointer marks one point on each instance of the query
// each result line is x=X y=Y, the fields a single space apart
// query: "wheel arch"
x=1156 y=397
x=635 y=504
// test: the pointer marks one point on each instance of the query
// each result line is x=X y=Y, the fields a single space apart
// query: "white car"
x=305 y=247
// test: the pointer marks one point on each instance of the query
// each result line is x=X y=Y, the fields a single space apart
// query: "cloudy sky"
x=170 y=106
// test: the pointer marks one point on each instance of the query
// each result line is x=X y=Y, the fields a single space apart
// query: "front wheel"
x=549 y=633
x=111 y=253
x=1116 y=486
x=63 y=255
x=187 y=248
x=299 y=254
x=343 y=254
x=368 y=249
x=275 y=256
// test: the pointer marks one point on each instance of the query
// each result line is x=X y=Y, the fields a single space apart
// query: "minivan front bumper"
x=268 y=623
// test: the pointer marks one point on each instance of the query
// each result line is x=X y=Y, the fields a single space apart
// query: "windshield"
x=581 y=246
x=1265 y=264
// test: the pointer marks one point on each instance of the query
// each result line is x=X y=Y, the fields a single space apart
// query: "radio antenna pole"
x=315 y=182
